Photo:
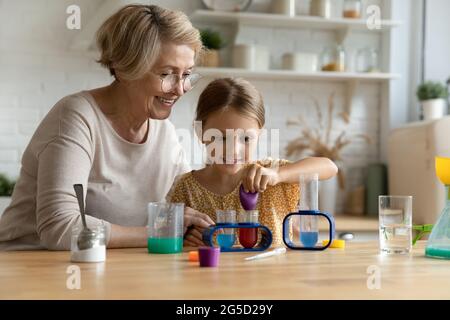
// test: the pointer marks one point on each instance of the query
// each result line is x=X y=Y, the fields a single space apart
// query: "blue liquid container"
x=226 y=240
x=309 y=190
x=438 y=245
x=309 y=238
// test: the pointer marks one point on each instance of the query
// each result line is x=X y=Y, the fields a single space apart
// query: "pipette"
x=274 y=252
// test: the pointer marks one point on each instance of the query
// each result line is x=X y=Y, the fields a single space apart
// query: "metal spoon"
x=87 y=238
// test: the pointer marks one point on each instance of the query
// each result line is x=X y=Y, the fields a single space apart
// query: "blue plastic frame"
x=286 y=238
x=264 y=243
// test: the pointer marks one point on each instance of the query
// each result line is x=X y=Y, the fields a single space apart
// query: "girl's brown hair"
x=235 y=93
x=130 y=40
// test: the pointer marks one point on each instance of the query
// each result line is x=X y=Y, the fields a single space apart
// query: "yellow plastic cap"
x=443 y=169
x=335 y=243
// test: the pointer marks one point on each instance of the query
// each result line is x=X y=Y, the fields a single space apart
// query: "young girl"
x=231 y=112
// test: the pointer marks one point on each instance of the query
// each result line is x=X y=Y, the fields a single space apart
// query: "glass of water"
x=395 y=217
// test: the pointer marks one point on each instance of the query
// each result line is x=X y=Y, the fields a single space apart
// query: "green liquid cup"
x=165 y=227
x=165 y=245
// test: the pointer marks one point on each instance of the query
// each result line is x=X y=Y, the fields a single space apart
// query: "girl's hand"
x=194 y=224
x=195 y=218
x=257 y=178
x=193 y=237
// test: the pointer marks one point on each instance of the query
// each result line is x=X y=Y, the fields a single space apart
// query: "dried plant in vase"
x=316 y=140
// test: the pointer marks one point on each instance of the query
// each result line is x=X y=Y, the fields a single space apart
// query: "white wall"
x=402 y=46
x=37 y=69
x=437 y=30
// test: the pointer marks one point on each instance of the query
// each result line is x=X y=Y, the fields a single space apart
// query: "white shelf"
x=292 y=75
x=282 y=21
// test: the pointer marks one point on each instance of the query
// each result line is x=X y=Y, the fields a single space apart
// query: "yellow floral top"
x=273 y=204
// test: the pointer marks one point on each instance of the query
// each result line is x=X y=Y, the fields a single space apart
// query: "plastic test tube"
x=248 y=236
x=226 y=237
x=309 y=231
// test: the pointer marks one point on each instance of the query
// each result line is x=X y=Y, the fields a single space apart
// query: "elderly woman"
x=115 y=140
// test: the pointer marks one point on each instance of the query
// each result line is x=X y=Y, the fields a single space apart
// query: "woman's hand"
x=257 y=178
x=194 y=224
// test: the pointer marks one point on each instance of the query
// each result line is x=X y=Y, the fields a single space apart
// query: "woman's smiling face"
x=173 y=59
x=230 y=138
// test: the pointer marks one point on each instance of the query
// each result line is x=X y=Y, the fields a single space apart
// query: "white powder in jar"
x=95 y=254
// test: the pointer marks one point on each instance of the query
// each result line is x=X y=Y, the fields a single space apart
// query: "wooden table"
x=355 y=223
x=134 y=274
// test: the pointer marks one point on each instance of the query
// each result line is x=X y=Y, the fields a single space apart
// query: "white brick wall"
x=36 y=71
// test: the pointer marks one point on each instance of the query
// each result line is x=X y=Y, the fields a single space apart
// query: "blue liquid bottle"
x=309 y=231
x=226 y=240
x=227 y=237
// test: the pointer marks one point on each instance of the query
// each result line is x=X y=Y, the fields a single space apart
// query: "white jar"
x=321 y=8
x=262 y=58
x=251 y=57
x=300 y=62
x=95 y=254
x=285 y=7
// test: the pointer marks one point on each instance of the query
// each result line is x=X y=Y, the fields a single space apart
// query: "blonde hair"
x=130 y=40
x=235 y=93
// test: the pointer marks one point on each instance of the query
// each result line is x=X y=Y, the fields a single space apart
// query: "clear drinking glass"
x=226 y=237
x=165 y=227
x=395 y=219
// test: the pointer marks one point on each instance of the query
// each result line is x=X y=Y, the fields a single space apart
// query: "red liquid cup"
x=248 y=237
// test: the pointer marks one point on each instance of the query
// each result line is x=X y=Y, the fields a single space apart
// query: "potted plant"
x=433 y=97
x=316 y=141
x=6 y=189
x=212 y=43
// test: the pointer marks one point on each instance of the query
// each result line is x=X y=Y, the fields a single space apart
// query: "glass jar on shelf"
x=352 y=9
x=367 y=60
x=333 y=59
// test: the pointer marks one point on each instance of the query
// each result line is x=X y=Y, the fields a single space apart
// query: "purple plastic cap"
x=208 y=256
x=248 y=199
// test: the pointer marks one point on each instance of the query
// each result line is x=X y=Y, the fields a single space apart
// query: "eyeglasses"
x=170 y=81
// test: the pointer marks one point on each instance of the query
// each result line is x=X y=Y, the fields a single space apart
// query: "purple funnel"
x=248 y=199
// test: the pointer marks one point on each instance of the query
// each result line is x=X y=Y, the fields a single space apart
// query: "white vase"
x=252 y=57
x=4 y=202
x=300 y=62
x=434 y=108
x=321 y=8
x=328 y=194
x=285 y=7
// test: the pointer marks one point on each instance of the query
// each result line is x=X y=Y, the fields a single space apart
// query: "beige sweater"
x=75 y=143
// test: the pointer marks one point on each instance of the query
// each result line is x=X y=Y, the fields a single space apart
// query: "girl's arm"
x=290 y=172
x=257 y=177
